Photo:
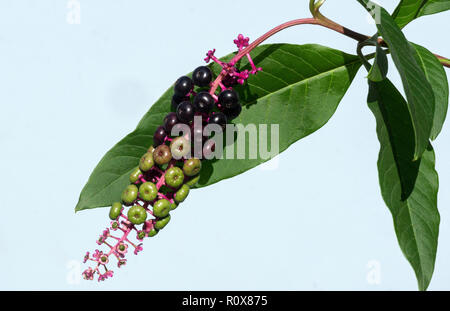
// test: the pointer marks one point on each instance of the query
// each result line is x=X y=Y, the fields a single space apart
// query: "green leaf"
x=299 y=88
x=418 y=90
x=416 y=219
x=408 y=10
x=379 y=69
x=436 y=76
x=434 y=6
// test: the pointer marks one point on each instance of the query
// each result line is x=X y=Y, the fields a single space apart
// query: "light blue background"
x=70 y=92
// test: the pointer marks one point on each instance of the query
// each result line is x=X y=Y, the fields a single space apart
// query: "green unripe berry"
x=161 y=208
x=173 y=206
x=174 y=177
x=151 y=149
x=152 y=232
x=134 y=176
x=192 y=167
x=193 y=181
x=141 y=235
x=161 y=223
x=137 y=215
x=148 y=191
x=182 y=193
x=115 y=210
x=129 y=195
x=146 y=162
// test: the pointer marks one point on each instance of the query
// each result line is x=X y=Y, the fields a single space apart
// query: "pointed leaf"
x=408 y=10
x=299 y=88
x=418 y=90
x=416 y=219
x=436 y=76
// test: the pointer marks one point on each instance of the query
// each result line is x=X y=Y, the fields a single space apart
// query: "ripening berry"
x=182 y=193
x=137 y=215
x=174 y=177
x=228 y=99
x=162 y=222
x=203 y=102
x=129 y=195
x=185 y=112
x=202 y=76
x=192 y=167
x=134 y=176
x=180 y=147
x=146 y=162
x=183 y=86
x=159 y=136
x=148 y=191
x=115 y=210
x=162 y=155
x=161 y=208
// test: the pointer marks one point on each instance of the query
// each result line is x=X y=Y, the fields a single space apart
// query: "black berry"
x=185 y=112
x=183 y=86
x=228 y=99
x=202 y=76
x=169 y=121
x=159 y=136
x=176 y=100
x=232 y=113
x=218 y=118
x=203 y=102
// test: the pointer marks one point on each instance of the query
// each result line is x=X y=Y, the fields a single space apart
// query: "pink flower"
x=210 y=55
x=114 y=225
x=88 y=274
x=97 y=254
x=103 y=259
x=121 y=262
x=241 y=41
x=105 y=233
x=107 y=274
x=121 y=248
x=138 y=248
x=86 y=257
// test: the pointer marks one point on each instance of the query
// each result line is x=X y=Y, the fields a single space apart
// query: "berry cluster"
x=170 y=167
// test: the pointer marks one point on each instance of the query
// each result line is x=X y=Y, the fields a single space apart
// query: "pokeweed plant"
x=176 y=146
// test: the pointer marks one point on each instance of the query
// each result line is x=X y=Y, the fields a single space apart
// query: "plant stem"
x=324 y=22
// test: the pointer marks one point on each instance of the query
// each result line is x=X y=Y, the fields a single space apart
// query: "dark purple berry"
x=228 y=99
x=232 y=113
x=202 y=76
x=159 y=136
x=183 y=86
x=218 y=118
x=203 y=102
x=169 y=121
x=176 y=100
x=185 y=112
